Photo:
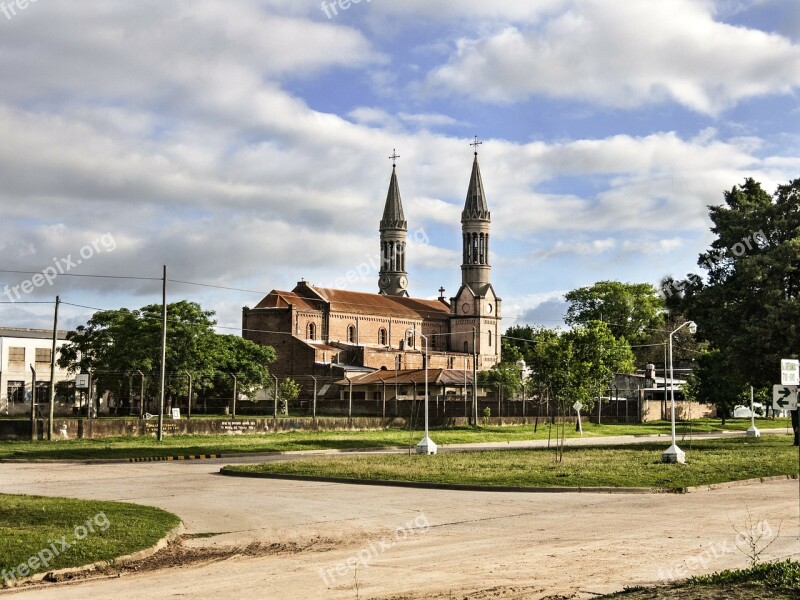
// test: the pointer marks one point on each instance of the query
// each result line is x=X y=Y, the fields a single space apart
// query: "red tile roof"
x=279 y=299
x=376 y=304
x=357 y=302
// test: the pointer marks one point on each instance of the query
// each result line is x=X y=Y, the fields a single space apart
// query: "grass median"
x=708 y=462
x=180 y=445
x=776 y=581
x=39 y=534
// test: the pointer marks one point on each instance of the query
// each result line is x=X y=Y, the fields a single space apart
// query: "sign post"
x=790 y=371
x=787 y=396
x=578 y=406
x=784 y=397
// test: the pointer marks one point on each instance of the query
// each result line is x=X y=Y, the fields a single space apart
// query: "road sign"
x=577 y=406
x=784 y=397
x=790 y=371
x=82 y=381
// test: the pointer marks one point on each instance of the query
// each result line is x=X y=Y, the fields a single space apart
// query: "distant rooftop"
x=33 y=334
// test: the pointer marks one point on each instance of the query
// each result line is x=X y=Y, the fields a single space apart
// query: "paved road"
x=413 y=543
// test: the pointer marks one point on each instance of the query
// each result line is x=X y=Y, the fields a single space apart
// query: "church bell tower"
x=393 y=278
x=475 y=309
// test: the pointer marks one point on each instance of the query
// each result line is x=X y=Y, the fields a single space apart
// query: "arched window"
x=466 y=347
x=351 y=334
x=410 y=341
x=383 y=338
x=490 y=337
x=311 y=331
x=433 y=340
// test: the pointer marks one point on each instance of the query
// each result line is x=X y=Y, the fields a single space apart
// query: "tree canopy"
x=748 y=305
x=578 y=364
x=116 y=343
x=631 y=310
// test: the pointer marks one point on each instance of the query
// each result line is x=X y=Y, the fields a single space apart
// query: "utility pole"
x=141 y=394
x=235 y=386
x=474 y=377
x=189 y=403
x=275 y=404
x=162 y=390
x=314 y=400
x=53 y=372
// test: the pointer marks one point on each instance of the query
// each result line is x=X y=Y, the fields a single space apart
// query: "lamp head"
x=692 y=327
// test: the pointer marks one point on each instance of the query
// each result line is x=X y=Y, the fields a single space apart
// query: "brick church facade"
x=329 y=332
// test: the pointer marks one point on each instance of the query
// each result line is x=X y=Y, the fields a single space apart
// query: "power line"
x=85 y=276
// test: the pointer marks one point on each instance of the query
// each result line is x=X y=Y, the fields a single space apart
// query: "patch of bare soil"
x=177 y=554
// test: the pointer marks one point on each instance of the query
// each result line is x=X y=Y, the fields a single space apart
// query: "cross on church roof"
x=394 y=157
x=475 y=145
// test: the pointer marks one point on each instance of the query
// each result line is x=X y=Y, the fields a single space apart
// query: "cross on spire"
x=475 y=145
x=394 y=157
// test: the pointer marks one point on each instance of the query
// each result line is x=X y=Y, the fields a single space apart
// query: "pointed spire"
x=393 y=211
x=475 y=207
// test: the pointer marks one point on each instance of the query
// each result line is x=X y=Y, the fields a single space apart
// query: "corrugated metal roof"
x=452 y=377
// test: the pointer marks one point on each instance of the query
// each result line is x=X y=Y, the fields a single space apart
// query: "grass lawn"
x=34 y=531
x=144 y=447
x=776 y=581
x=708 y=461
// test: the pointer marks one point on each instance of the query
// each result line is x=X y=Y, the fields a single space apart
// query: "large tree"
x=631 y=310
x=116 y=344
x=713 y=383
x=578 y=364
x=748 y=305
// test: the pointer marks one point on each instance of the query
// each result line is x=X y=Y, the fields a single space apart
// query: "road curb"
x=732 y=484
x=173 y=458
x=452 y=486
x=54 y=576
x=507 y=488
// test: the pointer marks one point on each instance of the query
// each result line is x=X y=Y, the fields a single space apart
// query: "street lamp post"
x=673 y=454
x=426 y=445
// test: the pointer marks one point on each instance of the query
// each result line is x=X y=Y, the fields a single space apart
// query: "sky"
x=245 y=144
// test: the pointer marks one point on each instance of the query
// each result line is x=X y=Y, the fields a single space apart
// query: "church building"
x=328 y=332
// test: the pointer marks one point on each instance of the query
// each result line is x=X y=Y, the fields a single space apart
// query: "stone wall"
x=103 y=428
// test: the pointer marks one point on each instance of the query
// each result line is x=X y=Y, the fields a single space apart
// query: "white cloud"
x=175 y=127
x=624 y=54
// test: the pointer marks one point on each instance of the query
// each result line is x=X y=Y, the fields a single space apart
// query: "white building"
x=21 y=349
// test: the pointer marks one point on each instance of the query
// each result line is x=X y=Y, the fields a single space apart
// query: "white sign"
x=577 y=406
x=82 y=381
x=176 y=414
x=784 y=397
x=790 y=371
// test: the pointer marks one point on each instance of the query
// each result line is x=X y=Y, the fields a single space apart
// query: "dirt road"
x=296 y=538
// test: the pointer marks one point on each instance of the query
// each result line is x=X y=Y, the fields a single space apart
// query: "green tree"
x=748 y=304
x=288 y=390
x=714 y=383
x=505 y=376
x=115 y=344
x=631 y=310
x=578 y=364
x=595 y=357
